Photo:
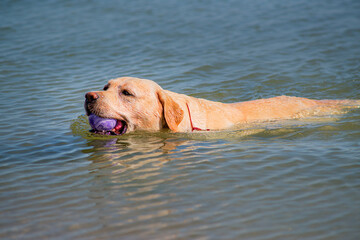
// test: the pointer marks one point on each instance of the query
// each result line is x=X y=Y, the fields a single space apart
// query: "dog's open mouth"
x=107 y=126
x=119 y=129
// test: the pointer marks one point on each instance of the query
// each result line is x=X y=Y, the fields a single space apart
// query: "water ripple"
x=284 y=180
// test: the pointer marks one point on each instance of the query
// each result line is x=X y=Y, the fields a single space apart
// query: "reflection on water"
x=157 y=182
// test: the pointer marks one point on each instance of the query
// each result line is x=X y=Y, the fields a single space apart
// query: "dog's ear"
x=172 y=111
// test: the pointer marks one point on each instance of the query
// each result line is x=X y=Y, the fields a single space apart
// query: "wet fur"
x=151 y=108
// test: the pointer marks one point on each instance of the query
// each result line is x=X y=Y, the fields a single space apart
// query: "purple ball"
x=101 y=124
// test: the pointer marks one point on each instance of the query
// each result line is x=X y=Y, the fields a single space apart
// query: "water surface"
x=288 y=180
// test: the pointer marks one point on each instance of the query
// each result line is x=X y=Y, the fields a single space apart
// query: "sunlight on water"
x=80 y=127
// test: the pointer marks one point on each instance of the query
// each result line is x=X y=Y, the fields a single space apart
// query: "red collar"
x=192 y=126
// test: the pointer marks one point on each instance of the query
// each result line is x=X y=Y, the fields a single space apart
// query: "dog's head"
x=136 y=104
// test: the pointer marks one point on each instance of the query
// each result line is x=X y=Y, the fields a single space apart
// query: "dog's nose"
x=91 y=96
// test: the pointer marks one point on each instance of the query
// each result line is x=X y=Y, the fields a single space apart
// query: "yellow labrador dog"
x=140 y=104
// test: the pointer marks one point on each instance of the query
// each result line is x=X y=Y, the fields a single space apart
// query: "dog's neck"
x=191 y=123
x=205 y=115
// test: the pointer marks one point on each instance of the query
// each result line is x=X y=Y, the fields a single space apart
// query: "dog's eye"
x=126 y=93
x=106 y=87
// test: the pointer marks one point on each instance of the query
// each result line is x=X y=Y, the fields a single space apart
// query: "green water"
x=280 y=180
